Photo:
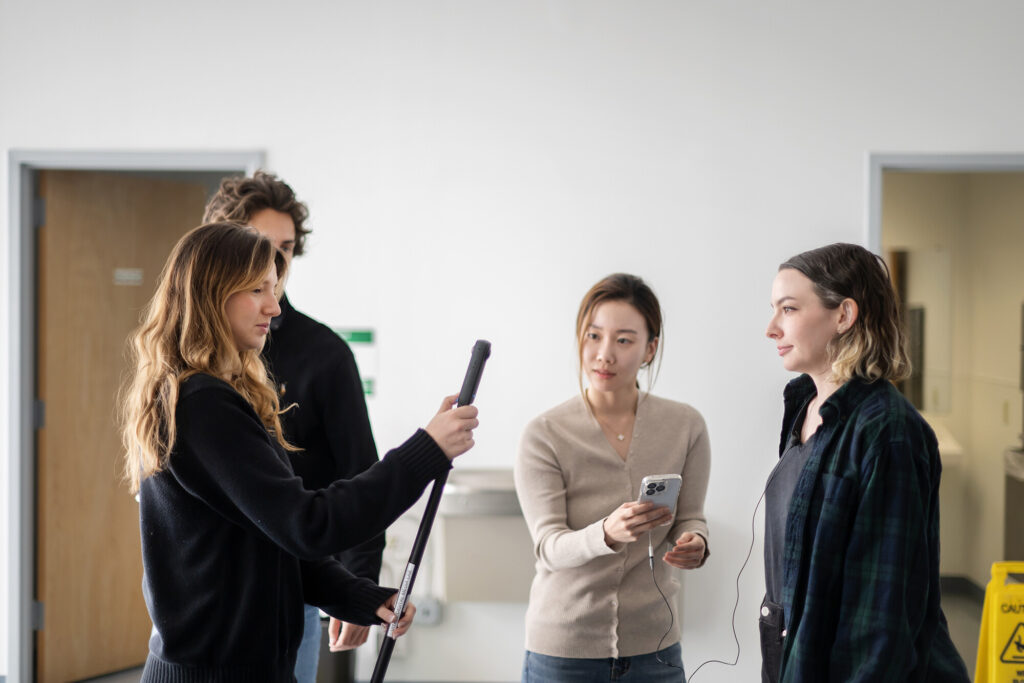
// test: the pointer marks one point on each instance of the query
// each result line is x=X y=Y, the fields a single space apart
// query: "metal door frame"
x=22 y=297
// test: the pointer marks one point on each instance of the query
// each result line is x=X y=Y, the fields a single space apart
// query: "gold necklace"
x=620 y=436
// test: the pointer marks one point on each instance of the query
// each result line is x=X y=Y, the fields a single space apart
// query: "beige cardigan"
x=589 y=600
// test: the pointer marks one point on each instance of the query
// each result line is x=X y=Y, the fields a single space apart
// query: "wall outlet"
x=428 y=611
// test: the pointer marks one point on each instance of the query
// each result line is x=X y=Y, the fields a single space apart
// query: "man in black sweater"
x=315 y=370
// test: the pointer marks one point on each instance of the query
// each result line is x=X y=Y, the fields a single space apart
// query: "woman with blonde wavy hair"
x=851 y=509
x=232 y=544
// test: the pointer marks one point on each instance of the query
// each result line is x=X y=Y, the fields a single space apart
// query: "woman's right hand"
x=387 y=616
x=631 y=520
x=452 y=428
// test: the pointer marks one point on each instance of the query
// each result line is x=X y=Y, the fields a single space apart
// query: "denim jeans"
x=309 y=650
x=637 y=669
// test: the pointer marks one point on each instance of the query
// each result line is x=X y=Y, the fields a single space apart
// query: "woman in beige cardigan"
x=602 y=606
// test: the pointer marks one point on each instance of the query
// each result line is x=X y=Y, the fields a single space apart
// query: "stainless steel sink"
x=479 y=493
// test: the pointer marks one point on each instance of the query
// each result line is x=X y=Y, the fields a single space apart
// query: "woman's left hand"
x=387 y=616
x=345 y=636
x=688 y=552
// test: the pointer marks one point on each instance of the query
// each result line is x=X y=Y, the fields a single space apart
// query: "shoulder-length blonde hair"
x=184 y=332
x=874 y=347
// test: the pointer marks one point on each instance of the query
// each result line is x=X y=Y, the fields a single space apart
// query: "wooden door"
x=104 y=240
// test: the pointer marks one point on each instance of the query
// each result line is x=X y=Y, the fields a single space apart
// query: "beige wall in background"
x=924 y=214
x=965 y=240
x=996 y=238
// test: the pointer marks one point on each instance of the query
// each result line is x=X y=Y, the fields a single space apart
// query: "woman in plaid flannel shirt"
x=852 y=511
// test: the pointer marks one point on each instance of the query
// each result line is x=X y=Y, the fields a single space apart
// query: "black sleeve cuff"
x=362 y=605
x=421 y=454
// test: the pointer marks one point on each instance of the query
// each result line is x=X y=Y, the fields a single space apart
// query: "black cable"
x=671 y=614
x=735 y=637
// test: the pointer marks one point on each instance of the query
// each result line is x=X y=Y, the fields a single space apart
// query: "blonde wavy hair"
x=185 y=332
x=875 y=346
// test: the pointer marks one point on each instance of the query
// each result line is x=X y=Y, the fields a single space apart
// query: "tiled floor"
x=964 y=616
x=962 y=612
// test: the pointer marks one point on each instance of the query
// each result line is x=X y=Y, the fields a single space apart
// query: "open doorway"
x=89 y=233
x=952 y=228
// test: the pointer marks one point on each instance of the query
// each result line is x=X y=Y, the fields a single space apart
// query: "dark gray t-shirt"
x=778 y=493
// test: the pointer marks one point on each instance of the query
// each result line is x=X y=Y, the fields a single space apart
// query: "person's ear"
x=848 y=313
x=652 y=348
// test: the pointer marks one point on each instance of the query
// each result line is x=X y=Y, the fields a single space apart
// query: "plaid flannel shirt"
x=861 y=560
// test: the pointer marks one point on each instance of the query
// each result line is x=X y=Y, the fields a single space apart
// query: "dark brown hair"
x=874 y=347
x=621 y=287
x=239 y=198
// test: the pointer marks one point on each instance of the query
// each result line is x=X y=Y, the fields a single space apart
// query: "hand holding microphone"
x=452 y=428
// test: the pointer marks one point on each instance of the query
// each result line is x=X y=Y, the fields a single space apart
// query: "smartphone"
x=661 y=489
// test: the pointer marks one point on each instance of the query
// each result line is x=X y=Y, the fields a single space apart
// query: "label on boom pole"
x=403 y=596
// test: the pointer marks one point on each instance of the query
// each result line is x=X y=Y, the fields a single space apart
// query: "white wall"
x=473 y=166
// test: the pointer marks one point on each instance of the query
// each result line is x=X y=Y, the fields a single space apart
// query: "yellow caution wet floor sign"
x=1001 y=641
x=1013 y=653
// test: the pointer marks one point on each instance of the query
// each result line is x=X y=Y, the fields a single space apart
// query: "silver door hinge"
x=38 y=212
x=37 y=615
x=39 y=414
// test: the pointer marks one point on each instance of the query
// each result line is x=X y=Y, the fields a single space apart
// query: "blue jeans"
x=309 y=650
x=637 y=669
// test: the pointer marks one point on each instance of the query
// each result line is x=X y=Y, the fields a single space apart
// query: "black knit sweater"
x=316 y=375
x=232 y=541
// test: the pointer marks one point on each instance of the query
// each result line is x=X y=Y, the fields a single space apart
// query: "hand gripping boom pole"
x=481 y=352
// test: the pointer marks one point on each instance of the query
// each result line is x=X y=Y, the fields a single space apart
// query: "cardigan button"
x=764 y=612
x=784 y=632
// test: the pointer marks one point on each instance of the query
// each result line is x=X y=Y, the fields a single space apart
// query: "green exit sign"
x=364 y=347
x=355 y=336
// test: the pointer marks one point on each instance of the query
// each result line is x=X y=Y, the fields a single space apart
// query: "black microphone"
x=481 y=352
